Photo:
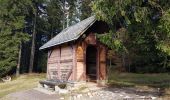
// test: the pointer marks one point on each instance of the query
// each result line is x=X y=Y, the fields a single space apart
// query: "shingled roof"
x=71 y=33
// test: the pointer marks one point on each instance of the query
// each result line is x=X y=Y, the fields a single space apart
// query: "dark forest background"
x=139 y=32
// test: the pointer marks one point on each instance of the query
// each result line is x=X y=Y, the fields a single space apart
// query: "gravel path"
x=31 y=94
x=116 y=94
x=87 y=94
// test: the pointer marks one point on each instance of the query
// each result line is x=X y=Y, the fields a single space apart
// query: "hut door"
x=91 y=65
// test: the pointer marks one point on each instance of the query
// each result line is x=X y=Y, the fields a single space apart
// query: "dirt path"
x=86 y=94
x=31 y=94
x=117 y=94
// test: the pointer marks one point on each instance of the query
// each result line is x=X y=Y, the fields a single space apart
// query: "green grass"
x=131 y=79
x=29 y=81
x=145 y=82
x=23 y=82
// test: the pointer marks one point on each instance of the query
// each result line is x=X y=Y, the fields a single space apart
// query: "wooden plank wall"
x=80 y=68
x=60 y=62
x=102 y=63
x=81 y=58
x=72 y=58
x=66 y=61
x=53 y=63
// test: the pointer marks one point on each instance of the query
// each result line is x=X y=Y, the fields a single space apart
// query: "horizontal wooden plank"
x=80 y=59
x=66 y=60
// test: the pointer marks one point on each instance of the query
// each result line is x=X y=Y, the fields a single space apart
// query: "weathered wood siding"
x=66 y=62
x=70 y=60
x=60 y=62
x=102 y=63
x=53 y=64
x=81 y=58
x=80 y=68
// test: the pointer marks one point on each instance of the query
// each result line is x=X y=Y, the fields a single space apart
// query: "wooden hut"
x=76 y=54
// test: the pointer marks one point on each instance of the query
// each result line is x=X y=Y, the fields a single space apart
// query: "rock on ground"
x=117 y=94
x=96 y=94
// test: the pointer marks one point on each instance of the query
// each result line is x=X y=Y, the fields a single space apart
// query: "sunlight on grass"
x=152 y=80
x=142 y=81
x=23 y=82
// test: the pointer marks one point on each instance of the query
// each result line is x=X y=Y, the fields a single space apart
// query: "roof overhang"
x=70 y=34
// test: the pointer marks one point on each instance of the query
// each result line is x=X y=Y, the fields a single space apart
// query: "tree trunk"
x=52 y=31
x=19 y=60
x=123 y=62
x=33 y=45
x=64 y=15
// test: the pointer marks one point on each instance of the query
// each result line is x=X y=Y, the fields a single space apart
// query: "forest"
x=139 y=32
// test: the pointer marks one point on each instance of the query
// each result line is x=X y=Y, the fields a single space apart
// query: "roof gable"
x=71 y=33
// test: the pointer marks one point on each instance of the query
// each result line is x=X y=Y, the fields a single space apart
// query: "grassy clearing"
x=132 y=79
x=23 y=82
x=29 y=81
x=149 y=81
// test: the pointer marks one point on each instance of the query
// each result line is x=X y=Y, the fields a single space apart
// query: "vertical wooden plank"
x=66 y=62
x=80 y=54
x=102 y=63
x=53 y=63
x=74 y=61
x=47 y=76
x=84 y=62
x=98 y=63
x=72 y=67
x=59 y=64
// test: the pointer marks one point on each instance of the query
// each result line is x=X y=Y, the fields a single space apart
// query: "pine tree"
x=86 y=8
x=54 y=17
x=34 y=21
x=12 y=15
x=35 y=14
